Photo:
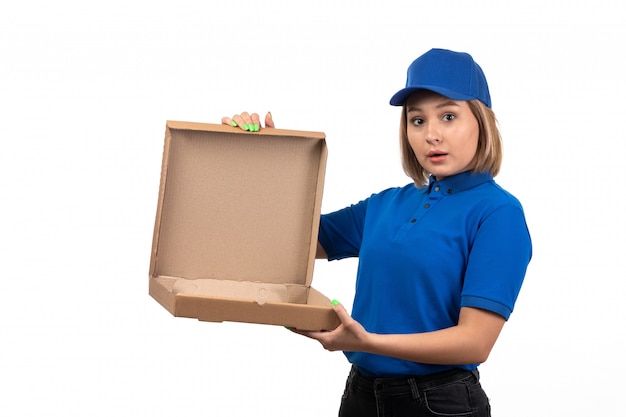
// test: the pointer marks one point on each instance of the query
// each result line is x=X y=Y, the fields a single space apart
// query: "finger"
x=256 y=122
x=240 y=122
x=269 y=121
x=229 y=121
x=343 y=314
x=247 y=121
x=320 y=336
x=307 y=333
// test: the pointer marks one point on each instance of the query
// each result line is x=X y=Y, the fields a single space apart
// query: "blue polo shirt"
x=426 y=252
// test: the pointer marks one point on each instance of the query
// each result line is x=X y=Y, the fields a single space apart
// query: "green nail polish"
x=335 y=302
x=256 y=127
x=233 y=123
x=245 y=126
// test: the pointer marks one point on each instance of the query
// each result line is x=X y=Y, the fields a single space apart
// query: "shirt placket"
x=434 y=195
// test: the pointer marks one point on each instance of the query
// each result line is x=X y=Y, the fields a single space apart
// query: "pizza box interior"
x=236 y=226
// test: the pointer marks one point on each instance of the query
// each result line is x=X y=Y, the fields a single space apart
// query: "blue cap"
x=452 y=74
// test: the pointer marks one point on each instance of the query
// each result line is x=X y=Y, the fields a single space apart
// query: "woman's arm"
x=470 y=341
x=243 y=121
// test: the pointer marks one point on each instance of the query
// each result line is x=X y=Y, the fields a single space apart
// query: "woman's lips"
x=436 y=156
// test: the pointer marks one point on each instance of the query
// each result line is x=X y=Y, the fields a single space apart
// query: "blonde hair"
x=488 y=157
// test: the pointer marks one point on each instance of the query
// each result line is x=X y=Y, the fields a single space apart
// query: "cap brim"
x=401 y=96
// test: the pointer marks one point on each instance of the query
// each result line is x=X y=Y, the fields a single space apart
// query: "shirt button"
x=426 y=205
x=413 y=220
x=436 y=188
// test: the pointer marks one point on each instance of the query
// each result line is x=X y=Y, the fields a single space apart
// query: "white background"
x=86 y=89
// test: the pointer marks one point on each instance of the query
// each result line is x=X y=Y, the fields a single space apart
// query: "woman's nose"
x=433 y=135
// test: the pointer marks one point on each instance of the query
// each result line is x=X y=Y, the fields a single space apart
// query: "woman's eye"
x=448 y=117
x=417 y=121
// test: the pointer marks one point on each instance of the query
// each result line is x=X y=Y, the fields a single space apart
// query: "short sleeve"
x=341 y=232
x=499 y=256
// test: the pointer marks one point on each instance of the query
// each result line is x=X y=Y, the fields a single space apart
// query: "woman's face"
x=443 y=133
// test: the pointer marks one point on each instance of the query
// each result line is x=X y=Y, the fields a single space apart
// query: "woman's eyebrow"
x=446 y=103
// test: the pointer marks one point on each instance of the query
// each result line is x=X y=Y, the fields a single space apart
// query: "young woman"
x=441 y=260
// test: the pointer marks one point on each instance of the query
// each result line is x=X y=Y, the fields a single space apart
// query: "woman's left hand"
x=350 y=336
x=247 y=121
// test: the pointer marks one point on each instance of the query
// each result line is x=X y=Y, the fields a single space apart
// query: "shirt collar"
x=459 y=182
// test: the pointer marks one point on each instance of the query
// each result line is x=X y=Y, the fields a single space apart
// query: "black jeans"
x=450 y=393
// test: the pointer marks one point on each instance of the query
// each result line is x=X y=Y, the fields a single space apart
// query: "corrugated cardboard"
x=236 y=226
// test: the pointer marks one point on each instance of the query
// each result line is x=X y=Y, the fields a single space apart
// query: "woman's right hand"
x=248 y=122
